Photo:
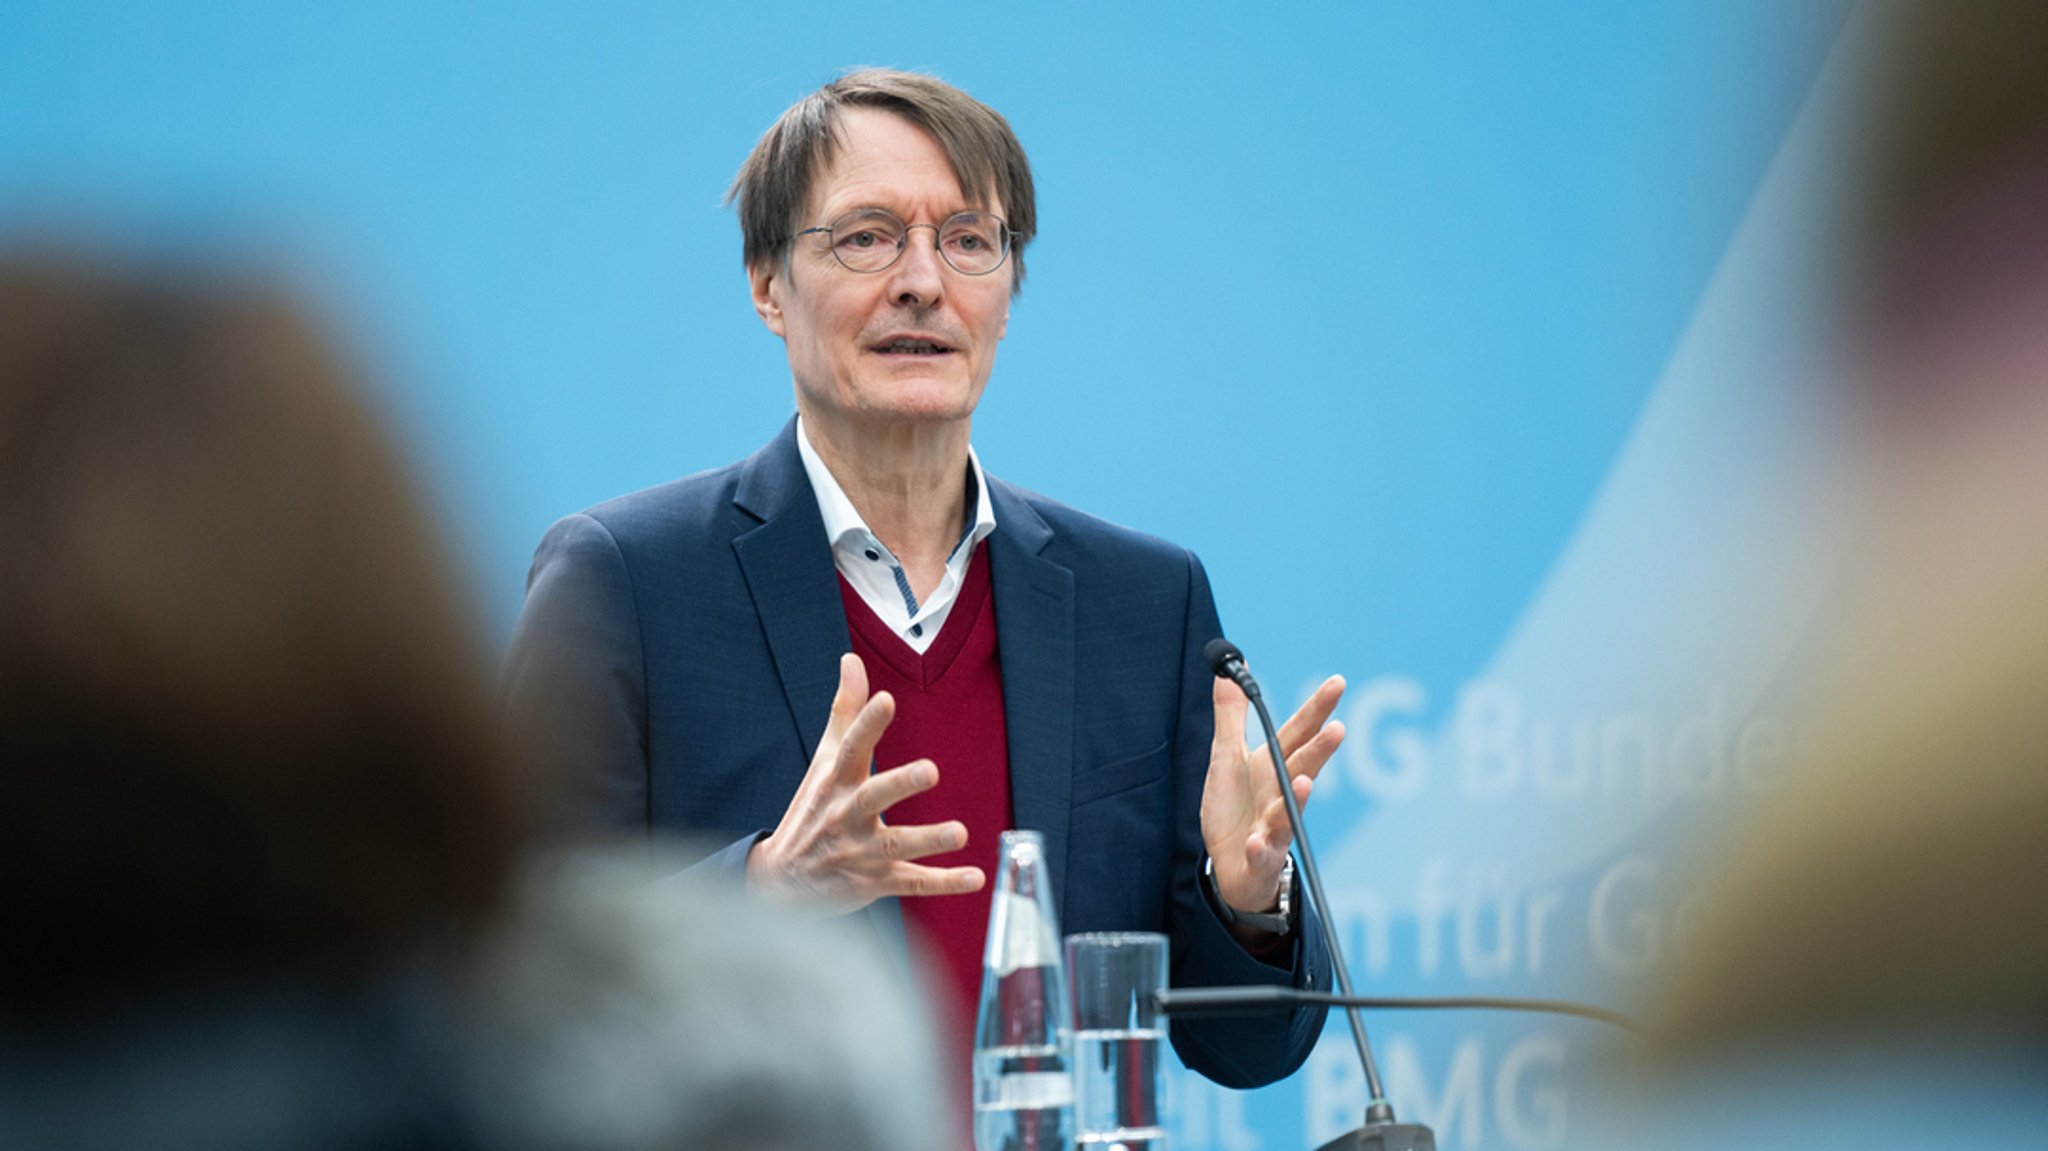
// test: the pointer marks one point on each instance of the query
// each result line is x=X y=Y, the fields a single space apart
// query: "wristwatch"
x=1279 y=921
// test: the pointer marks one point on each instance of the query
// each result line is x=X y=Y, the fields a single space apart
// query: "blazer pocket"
x=1109 y=779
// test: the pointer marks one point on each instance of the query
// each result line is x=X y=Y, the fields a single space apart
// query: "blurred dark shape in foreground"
x=244 y=716
x=261 y=849
x=1873 y=967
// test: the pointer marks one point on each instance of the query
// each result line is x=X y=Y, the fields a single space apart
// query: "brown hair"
x=1957 y=107
x=244 y=718
x=773 y=187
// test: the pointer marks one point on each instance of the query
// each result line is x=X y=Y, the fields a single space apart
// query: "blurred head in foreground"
x=244 y=721
x=1897 y=889
x=1948 y=319
x=620 y=1012
x=259 y=855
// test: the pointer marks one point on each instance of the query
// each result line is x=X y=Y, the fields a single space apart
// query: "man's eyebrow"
x=967 y=206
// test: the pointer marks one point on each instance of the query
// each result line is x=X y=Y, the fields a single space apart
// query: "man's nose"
x=918 y=275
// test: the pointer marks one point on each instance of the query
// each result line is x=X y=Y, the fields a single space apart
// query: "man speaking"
x=855 y=658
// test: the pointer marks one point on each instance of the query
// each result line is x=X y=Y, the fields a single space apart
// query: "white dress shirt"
x=872 y=569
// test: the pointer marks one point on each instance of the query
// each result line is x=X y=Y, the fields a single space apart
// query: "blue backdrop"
x=1494 y=309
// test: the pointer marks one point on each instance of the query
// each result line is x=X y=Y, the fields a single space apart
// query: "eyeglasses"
x=871 y=240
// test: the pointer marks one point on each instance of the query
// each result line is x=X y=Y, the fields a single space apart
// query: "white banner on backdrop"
x=1525 y=832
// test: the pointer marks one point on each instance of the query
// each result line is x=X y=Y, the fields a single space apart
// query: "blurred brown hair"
x=1895 y=887
x=1957 y=111
x=244 y=719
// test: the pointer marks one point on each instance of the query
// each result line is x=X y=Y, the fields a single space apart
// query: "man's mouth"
x=907 y=346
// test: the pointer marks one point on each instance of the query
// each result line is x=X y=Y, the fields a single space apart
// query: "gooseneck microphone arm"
x=1228 y=663
x=1202 y=1002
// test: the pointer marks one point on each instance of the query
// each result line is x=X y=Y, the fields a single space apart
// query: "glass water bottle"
x=1023 y=1094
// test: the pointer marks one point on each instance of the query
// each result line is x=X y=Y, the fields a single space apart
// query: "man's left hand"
x=1244 y=818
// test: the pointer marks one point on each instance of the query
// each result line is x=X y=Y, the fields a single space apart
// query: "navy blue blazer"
x=687 y=639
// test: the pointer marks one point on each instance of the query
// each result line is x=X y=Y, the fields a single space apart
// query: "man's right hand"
x=832 y=847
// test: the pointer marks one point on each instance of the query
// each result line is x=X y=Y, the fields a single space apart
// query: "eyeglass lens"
x=869 y=240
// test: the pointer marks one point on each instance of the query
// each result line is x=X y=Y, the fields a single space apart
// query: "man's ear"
x=767 y=281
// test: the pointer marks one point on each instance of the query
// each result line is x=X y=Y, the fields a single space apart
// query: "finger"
x=1310 y=717
x=856 y=754
x=1273 y=828
x=885 y=789
x=850 y=696
x=1308 y=761
x=1273 y=831
x=917 y=879
x=847 y=700
x=1229 y=704
x=903 y=843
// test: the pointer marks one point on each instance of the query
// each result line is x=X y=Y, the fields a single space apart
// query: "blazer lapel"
x=787 y=563
x=1034 y=599
x=788 y=568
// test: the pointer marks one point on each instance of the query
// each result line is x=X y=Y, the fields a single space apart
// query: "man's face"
x=843 y=328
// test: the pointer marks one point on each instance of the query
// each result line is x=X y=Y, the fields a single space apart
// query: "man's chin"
x=921 y=400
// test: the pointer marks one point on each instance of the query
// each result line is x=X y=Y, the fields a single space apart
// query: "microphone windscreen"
x=1221 y=653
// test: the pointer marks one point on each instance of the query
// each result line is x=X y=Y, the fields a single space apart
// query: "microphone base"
x=1384 y=1137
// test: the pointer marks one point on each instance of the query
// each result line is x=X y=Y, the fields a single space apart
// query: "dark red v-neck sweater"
x=949 y=709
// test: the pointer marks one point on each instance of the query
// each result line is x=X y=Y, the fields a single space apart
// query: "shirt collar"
x=844 y=522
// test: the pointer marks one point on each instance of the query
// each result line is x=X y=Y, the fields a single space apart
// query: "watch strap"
x=1279 y=921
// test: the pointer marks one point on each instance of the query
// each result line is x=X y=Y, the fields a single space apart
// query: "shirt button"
x=917 y=629
x=872 y=554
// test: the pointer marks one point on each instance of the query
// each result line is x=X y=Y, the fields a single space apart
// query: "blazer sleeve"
x=1244 y=1051
x=576 y=673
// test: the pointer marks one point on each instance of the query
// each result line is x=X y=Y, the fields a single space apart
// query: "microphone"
x=1381 y=1132
x=1226 y=662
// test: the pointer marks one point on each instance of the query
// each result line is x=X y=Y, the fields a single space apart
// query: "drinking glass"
x=1119 y=1038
